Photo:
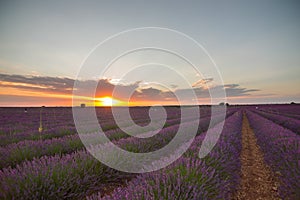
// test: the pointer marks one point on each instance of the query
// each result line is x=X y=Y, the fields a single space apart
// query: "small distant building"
x=82 y=105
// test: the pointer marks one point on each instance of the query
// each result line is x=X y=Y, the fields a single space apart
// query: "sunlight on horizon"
x=107 y=102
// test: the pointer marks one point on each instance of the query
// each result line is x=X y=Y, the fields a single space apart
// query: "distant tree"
x=293 y=103
x=221 y=104
x=227 y=104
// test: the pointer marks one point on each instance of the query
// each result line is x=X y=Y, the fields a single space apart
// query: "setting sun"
x=107 y=101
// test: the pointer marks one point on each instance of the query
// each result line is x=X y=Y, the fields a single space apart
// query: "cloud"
x=105 y=87
x=234 y=90
x=153 y=94
x=173 y=86
x=202 y=82
x=118 y=91
x=37 y=83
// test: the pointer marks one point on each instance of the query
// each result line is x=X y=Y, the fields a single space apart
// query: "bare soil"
x=257 y=180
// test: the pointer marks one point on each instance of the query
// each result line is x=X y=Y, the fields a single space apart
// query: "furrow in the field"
x=257 y=180
x=281 y=148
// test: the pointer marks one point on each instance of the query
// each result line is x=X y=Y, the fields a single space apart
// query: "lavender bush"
x=214 y=177
x=28 y=149
x=281 y=148
x=287 y=122
x=67 y=176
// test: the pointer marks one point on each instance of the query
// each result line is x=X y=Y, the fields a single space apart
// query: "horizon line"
x=238 y=104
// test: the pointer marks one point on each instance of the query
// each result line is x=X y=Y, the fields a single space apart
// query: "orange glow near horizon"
x=52 y=98
x=108 y=101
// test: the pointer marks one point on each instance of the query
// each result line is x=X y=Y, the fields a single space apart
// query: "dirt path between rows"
x=257 y=180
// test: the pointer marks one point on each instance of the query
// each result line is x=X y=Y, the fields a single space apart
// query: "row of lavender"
x=288 y=110
x=281 y=148
x=16 y=153
x=19 y=120
x=214 y=177
x=69 y=176
x=16 y=120
x=61 y=125
x=288 y=122
x=16 y=125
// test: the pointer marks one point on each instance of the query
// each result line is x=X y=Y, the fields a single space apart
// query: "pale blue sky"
x=254 y=43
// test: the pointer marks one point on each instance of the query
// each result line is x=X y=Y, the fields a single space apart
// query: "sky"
x=44 y=46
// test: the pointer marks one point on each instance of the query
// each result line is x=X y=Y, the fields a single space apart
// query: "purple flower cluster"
x=71 y=175
x=15 y=153
x=17 y=125
x=56 y=177
x=281 y=148
x=214 y=177
x=286 y=110
x=287 y=122
x=33 y=134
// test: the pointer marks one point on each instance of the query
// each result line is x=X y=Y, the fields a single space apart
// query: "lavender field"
x=42 y=156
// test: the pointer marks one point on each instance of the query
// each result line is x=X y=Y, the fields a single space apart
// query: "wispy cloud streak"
x=47 y=86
